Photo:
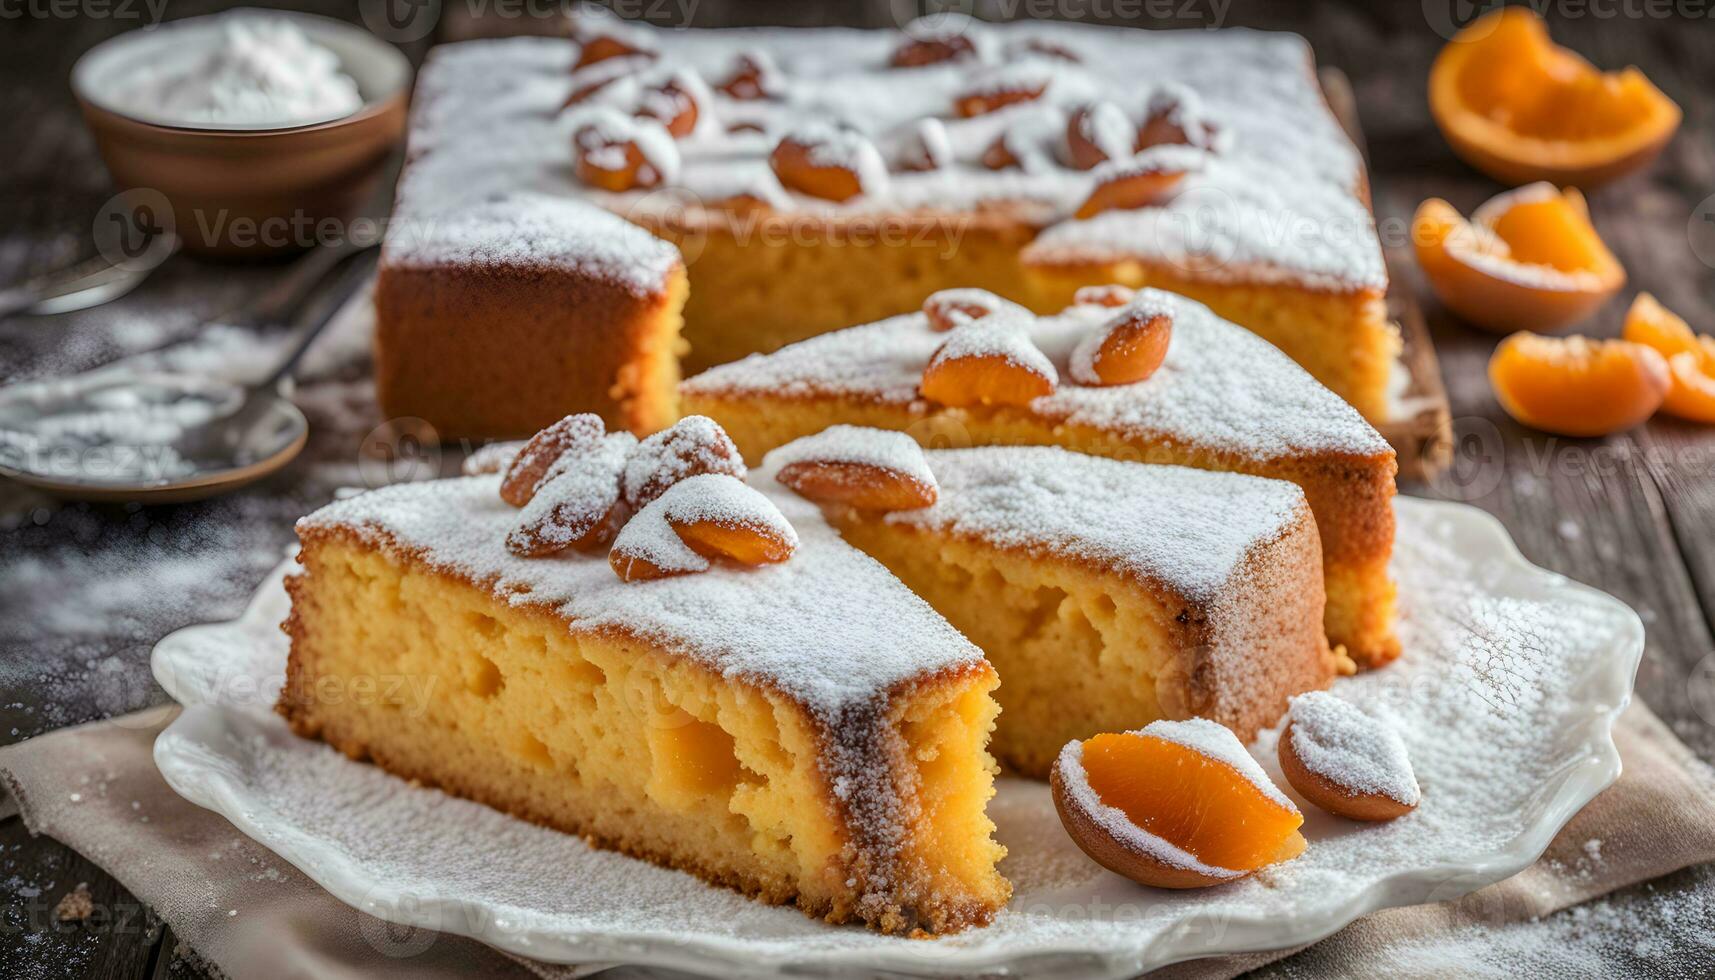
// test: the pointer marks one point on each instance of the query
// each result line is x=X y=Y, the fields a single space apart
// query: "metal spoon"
x=162 y=438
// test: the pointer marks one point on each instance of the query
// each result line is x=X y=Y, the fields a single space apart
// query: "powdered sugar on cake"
x=1338 y=740
x=1280 y=200
x=830 y=628
x=1183 y=529
x=1121 y=827
x=526 y=230
x=996 y=336
x=1221 y=386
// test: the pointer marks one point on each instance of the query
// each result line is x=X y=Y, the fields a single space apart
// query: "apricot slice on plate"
x=1345 y=761
x=1178 y=804
x=1576 y=386
x=1528 y=259
x=1690 y=357
x=1520 y=108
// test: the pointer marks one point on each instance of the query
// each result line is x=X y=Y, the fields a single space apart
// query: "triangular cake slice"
x=1105 y=593
x=1223 y=399
x=805 y=732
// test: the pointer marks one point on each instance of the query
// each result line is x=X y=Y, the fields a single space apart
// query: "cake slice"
x=1223 y=399
x=807 y=731
x=497 y=317
x=1105 y=593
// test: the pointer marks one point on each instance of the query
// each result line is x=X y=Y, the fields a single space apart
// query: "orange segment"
x=1196 y=803
x=1528 y=259
x=1577 y=386
x=1520 y=108
x=1690 y=357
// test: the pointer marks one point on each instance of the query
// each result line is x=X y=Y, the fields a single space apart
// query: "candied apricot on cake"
x=1520 y=108
x=829 y=163
x=1690 y=357
x=949 y=308
x=693 y=445
x=1222 y=399
x=868 y=469
x=495 y=319
x=1105 y=593
x=803 y=731
x=1345 y=761
x=1576 y=386
x=1174 y=805
x=1097 y=133
x=703 y=518
x=577 y=503
x=1528 y=259
x=1126 y=350
x=988 y=362
x=1140 y=180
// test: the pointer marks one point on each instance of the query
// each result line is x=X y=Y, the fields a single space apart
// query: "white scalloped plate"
x=1506 y=695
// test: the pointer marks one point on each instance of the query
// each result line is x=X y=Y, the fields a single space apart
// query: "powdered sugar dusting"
x=1220 y=388
x=1217 y=742
x=694 y=444
x=1336 y=739
x=1188 y=530
x=1121 y=827
x=526 y=230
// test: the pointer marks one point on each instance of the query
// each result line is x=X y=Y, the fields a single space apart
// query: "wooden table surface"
x=1633 y=514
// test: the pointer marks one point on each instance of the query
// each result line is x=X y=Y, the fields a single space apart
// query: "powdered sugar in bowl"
x=246 y=133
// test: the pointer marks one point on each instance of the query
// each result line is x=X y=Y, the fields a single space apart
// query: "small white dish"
x=1507 y=695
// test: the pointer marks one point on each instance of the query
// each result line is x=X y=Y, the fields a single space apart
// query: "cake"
x=1222 y=399
x=814 y=179
x=679 y=720
x=1104 y=592
x=634 y=643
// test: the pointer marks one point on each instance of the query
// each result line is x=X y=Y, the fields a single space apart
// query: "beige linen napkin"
x=248 y=913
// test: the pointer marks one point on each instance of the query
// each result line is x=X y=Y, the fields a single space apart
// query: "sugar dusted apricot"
x=575 y=433
x=1175 y=805
x=694 y=445
x=1007 y=87
x=697 y=520
x=603 y=47
x=835 y=165
x=1113 y=295
x=754 y=76
x=1345 y=761
x=949 y=308
x=1135 y=183
x=867 y=469
x=1127 y=349
x=1576 y=386
x=577 y=503
x=985 y=363
x=921 y=52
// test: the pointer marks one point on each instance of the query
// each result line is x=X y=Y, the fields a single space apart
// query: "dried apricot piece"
x=1690 y=357
x=996 y=91
x=868 y=469
x=1345 y=761
x=674 y=102
x=988 y=363
x=617 y=153
x=1520 y=108
x=1097 y=133
x=1178 y=804
x=927 y=148
x=604 y=47
x=693 y=445
x=1113 y=295
x=946 y=39
x=833 y=164
x=1139 y=181
x=574 y=433
x=754 y=76
x=949 y=308
x=704 y=517
x=1174 y=117
x=1576 y=386
x=1528 y=259
x=577 y=504
x=1126 y=349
